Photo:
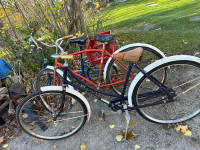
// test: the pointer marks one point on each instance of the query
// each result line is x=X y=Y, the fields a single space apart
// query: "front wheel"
x=182 y=81
x=36 y=120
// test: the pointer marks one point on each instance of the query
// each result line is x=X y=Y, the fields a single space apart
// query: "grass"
x=167 y=25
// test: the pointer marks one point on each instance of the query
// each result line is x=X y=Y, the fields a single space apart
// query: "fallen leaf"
x=25 y=115
x=131 y=123
x=55 y=123
x=184 y=128
x=83 y=93
x=83 y=147
x=119 y=138
x=181 y=128
x=49 y=120
x=112 y=126
x=34 y=139
x=95 y=100
x=188 y=133
x=137 y=147
x=1 y=139
x=54 y=146
x=129 y=135
x=72 y=127
x=5 y=145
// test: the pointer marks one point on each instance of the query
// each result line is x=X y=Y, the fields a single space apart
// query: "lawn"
x=171 y=25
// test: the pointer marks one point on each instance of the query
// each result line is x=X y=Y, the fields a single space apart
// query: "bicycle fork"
x=63 y=92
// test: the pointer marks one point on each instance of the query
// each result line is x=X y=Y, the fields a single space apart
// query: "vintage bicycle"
x=106 y=73
x=51 y=114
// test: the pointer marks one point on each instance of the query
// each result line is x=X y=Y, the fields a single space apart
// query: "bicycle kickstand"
x=127 y=116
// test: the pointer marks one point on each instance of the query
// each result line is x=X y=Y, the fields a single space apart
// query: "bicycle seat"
x=104 y=37
x=131 y=55
x=80 y=40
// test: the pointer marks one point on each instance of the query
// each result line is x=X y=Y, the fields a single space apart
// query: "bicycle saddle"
x=80 y=40
x=131 y=55
x=104 y=37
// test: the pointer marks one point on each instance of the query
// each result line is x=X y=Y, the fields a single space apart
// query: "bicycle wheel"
x=34 y=84
x=37 y=121
x=45 y=78
x=182 y=80
x=149 y=55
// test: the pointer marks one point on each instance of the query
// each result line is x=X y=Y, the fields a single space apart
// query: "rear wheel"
x=183 y=82
x=37 y=121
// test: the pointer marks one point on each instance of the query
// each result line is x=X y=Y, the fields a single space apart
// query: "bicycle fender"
x=60 y=72
x=129 y=46
x=154 y=65
x=71 y=91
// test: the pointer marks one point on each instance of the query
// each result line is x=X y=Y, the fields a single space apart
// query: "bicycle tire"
x=145 y=60
x=35 y=120
x=180 y=77
x=34 y=84
x=45 y=78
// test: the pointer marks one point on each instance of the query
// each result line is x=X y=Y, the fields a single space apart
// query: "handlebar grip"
x=66 y=37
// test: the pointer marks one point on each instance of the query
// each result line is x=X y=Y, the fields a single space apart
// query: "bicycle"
x=113 y=74
x=156 y=99
x=46 y=65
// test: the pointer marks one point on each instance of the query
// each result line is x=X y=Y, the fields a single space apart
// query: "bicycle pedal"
x=102 y=116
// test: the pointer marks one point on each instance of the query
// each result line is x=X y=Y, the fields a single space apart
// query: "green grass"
x=170 y=20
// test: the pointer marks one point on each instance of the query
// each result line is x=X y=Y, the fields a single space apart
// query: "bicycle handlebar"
x=62 y=38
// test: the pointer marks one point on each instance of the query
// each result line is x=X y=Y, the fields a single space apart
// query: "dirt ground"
x=96 y=135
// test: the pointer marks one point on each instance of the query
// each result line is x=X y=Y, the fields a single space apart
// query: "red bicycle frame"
x=58 y=64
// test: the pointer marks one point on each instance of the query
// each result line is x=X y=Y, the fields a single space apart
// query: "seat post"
x=81 y=48
x=104 y=45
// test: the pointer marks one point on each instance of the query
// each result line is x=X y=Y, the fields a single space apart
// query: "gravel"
x=96 y=135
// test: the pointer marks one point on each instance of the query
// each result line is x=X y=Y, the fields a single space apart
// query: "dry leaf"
x=112 y=126
x=119 y=138
x=5 y=145
x=83 y=147
x=95 y=100
x=72 y=127
x=49 y=120
x=54 y=146
x=137 y=147
x=182 y=128
x=129 y=135
x=83 y=93
x=131 y=123
x=188 y=133
x=1 y=139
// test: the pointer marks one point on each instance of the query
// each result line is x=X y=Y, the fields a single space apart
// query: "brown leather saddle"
x=131 y=55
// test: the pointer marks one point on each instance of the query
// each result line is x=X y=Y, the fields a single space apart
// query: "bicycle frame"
x=121 y=98
x=102 y=51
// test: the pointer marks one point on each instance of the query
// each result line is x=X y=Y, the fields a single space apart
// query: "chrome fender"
x=71 y=91
x=128 y=46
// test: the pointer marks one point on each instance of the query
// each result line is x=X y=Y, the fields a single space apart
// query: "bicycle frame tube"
x=101 y=66
x=160 y=85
